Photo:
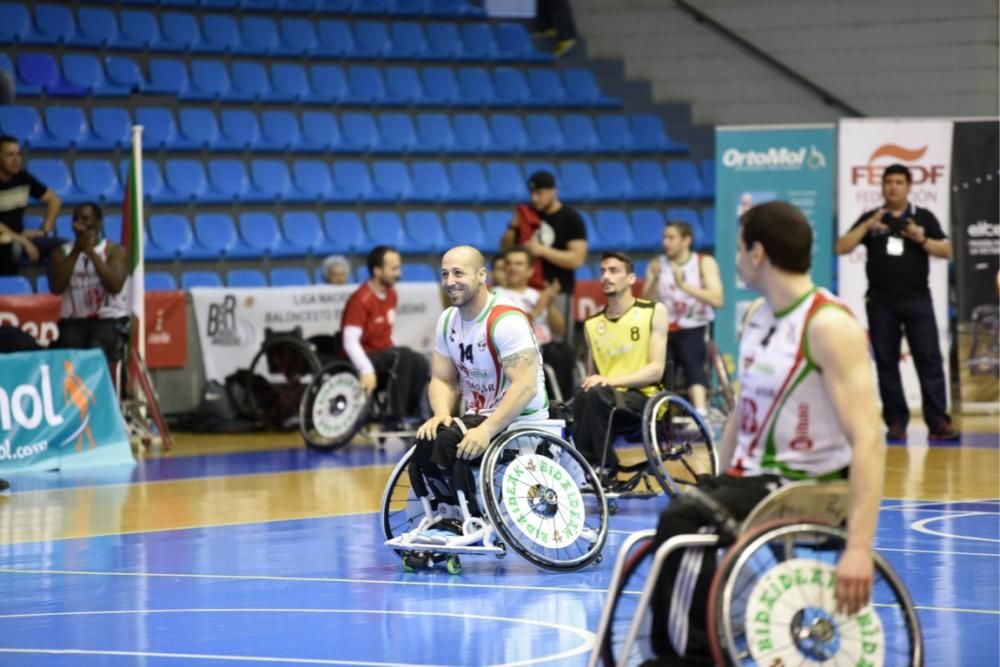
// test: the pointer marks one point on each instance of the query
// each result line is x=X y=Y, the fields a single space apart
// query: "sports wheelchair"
x=787 y=549
x=529 y=487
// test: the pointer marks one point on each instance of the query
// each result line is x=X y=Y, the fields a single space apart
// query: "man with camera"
x=900 y=237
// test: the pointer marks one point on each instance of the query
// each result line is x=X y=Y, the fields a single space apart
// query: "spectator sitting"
x=336 y=270
x=498 y=270
x=91 y=273
x=16 y=187
x=367 y=338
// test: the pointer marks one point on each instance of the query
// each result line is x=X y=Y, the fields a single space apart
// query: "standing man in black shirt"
x=16 y=186
x=555 y=236
x=900 y=237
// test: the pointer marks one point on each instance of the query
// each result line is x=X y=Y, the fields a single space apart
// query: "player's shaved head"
x=467 y=256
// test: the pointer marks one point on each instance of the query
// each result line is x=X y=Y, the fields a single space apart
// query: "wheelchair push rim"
x=333 y=408
x=772 y=600
x=401 y=508
x=679 y=444
x=531 y=481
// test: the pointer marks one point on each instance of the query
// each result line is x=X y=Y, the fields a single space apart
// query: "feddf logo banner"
x=867 y=147
x=760 y=164
x=58 y=410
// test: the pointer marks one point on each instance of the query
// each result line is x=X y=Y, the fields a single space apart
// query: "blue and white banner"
x=58 y=410
x=753 y=165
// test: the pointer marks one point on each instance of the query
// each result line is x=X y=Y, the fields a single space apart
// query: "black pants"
x=87 y=334
x=888 y=320
x=437 y=460
x=592 y=415
x=688 y=350
x=681 y=630
x=556 y=14
x=562 y=359
x=13 y=339
x=404 y=373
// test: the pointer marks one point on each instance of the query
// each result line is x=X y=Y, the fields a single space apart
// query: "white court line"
x=585 y=635
x=921 y=527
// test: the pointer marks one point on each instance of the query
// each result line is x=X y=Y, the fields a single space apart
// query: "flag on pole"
x=132 y=242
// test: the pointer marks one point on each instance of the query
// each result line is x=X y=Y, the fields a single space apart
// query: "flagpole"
x=138 y=274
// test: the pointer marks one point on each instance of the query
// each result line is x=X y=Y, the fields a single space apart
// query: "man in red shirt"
x=366 y=328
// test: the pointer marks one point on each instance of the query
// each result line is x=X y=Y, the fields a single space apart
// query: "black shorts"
x=688 y=350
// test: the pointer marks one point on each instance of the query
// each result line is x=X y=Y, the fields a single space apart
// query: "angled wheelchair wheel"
x=288 y=364
x=333 y=408
x=624 y=607
x=401 y=509
x=772 y=602
x=530 y=481
x=679 y=445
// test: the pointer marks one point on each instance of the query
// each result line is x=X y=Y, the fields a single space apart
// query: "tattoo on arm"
x=514 y=362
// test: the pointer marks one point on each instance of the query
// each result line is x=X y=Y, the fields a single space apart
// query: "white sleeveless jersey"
x=85 y=297
x=476 y=347
x=526 y=300
x=787 y=423
x=685 y=311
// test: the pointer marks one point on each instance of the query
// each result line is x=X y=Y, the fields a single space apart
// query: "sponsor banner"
x=866 y=148
x=58 y=411
x=588 y=299
x=758 y=164
x=975 y=216
x=232 y=322
x=166 y=331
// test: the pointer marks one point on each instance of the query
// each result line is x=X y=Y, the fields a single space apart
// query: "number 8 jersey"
x=477 y=346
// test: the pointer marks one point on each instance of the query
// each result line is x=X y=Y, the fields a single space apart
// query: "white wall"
x=884 y=57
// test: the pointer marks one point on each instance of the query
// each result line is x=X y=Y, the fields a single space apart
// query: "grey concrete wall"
x=884 y=57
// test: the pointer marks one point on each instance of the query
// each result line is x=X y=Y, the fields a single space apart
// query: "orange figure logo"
x=75 y=391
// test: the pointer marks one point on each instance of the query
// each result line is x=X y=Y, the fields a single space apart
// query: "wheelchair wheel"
x=288 y=364
x=531 y=484
x=623 y=610
x=334 y=407
x=721 y=397
x=679 y=445
x=772 y=602
x=401 y=509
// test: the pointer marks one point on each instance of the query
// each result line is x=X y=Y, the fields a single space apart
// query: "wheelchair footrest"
x=413 y=547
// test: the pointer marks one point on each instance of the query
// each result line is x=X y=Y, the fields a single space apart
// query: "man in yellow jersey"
x=627 y=348
x=807 y=410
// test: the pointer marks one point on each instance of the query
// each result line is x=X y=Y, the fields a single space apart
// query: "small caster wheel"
x=454 y=565
x=612 y=507
x=597 y=561
x=502 y=547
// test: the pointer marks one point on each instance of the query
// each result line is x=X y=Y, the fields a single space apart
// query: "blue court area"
x=324 y=591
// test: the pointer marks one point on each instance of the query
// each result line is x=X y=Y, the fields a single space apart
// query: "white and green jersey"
x=787 y=423
x=477 y=346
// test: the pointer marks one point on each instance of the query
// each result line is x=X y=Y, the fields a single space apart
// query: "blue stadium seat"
x=468 y=182
x=577 y=181
x=434 y=133
x=504 y=182
x=544 y=134
x=511 y=87
x=279 y=131
x=249 y=83
x=706 y=171
x=216 y=236
x=245 y=278
x=170 y=236
x=475 y=87
x=650 y=136
x=514 y=43
x=208 y=81
x=306 y=5
x=138 y=30
x=64 y=128
x=38 y=73
x=424 y=233
x=124 y=73
x=531 y=166
x=344 y=232
x=84 y=71
x=95 y=27
x=227 y=181
x=152 y=180
x=197 y=129
x=270 y=181
x=327 y=84
x=351 y=181
x=682 y=175
x=303 y=233
x=311 y=180
x=613 y=134
x=359 y=132
x=509 y=135
x=96 y=180
x=371 y=40
x=64 y=226
x=110 y=128
x=289 y=277
x=54 y=24
x=408 y=7
x=596 y=242
x=471 y=134
x=640 y=267
x=613 y=182
x=614 y=224
x=648 y=181
x=260 y=232
x=495 y=223
x=297 y=37
x=158 y=281
x=192 y=279
x=429 y=182
x=647 y=229
x=396 y=133
x=477 y=41
x=335 y=38
x=238 y=130
x=15 y=23
x=579 y=133
x=402 y=86
x=545 y=88
x=418 y=273
x=167 y=77
x=691 y=217
x=185 y=180
x=23 y=123
x=219 y=34
x=582 y=90
x=158 y=128
x=584 y=272
x=14 y=285
x=258 y=36
x=443 y=42
x=373 y=6
x=364 y=85
x=222 y=4
x=452 y=8
x=383 y=227
x=320 y=132
x=179 y=32
x=440 y=87
x=390 y=181
x=708 y=229
x=408 y=40
x=464 y=227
